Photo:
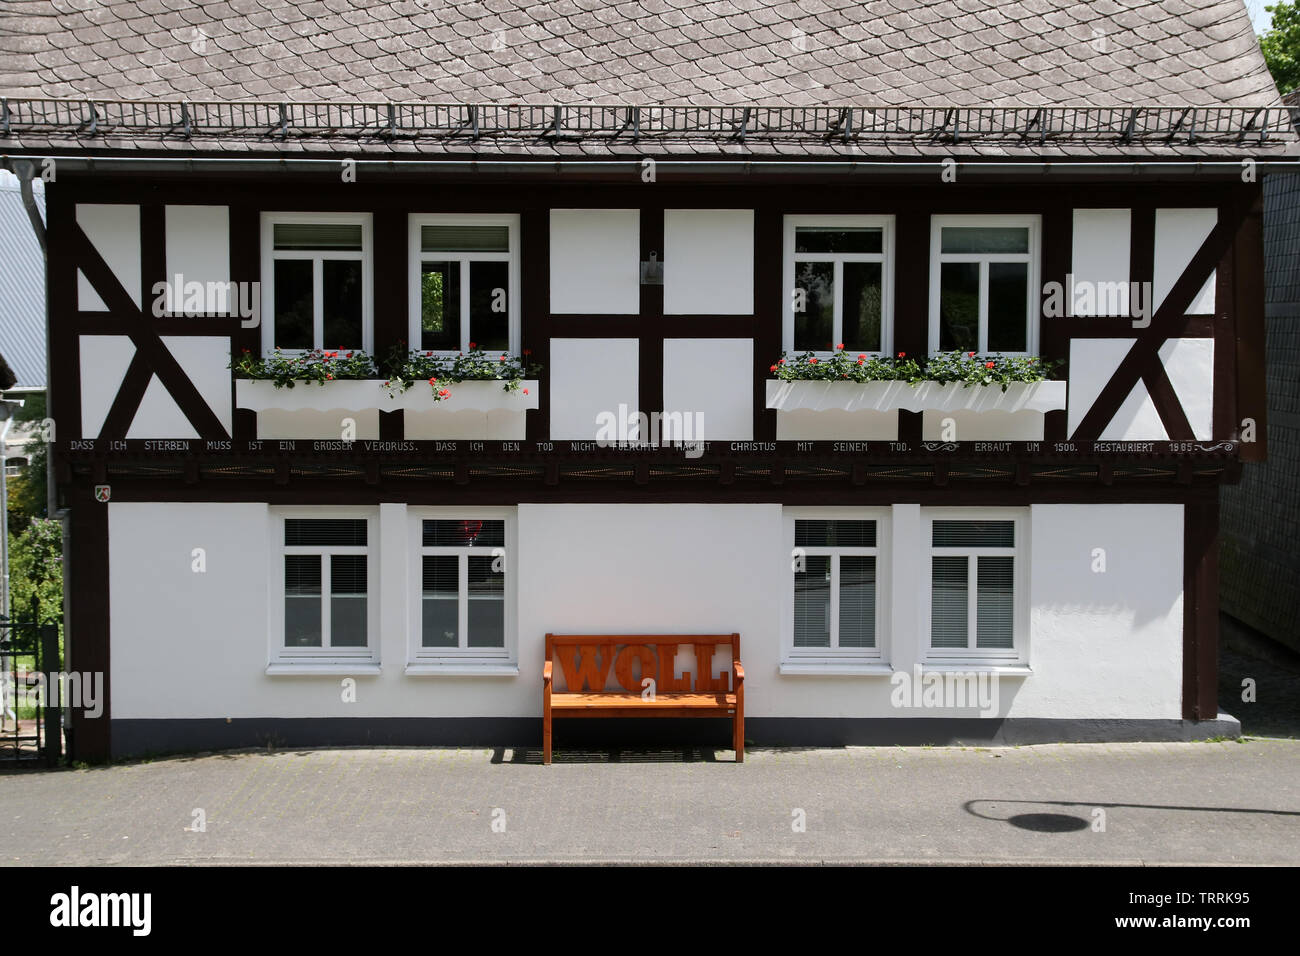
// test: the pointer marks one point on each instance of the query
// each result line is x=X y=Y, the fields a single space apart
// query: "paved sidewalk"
x=1163 y=803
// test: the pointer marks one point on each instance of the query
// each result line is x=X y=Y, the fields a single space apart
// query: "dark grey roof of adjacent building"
x=1022 y=54
x=22 y=288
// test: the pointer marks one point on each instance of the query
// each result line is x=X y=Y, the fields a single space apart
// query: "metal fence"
x=31 y=725
x=1149 y=125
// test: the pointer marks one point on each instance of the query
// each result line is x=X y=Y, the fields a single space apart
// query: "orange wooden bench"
x=656 y=691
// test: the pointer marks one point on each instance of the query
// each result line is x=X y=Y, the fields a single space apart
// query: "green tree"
x=36 y=570
x=27 y=494
x=1281 y=45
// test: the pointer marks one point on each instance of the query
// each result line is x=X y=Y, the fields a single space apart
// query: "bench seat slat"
x=636 y=702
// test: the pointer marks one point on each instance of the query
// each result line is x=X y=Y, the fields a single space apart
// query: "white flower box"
x=479 y=409
x=927 y=396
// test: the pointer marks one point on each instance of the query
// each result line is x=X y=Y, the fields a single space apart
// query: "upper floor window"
x=316 y=281
x=464 y=280
x=983 y=282
x=839 y=283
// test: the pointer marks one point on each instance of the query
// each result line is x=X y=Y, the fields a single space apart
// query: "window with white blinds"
x=316 y=282
x=327 y=607
x=835 y=587
x=463 y=569
x=464 y=274
x=973 y=588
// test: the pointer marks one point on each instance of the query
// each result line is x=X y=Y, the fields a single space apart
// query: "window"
x=838 y=281
x=983 y=284
x=464 y=283
x=837 y=568
x=316 y=281
x=462 y=586
x=976 y=588
x=325 y=581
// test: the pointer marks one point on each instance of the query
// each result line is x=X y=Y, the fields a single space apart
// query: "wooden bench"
x=656 y=691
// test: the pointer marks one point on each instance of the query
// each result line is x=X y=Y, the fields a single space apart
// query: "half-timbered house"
x=643 y=208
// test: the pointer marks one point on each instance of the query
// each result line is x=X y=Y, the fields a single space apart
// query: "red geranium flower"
x=862 y=357
x=525 y=391
x=862 y=361
x=988 y=364
x=970 y=354
x=812 y=361
x=901 y=354
x=528 y=351
x=473 y=345
x=840 y=346
x=444 y=393
x=772 y=369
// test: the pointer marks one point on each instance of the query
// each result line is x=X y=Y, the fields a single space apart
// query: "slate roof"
x=936 y=53
x=22 y=287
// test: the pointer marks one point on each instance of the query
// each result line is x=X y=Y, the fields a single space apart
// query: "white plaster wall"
x=1101 y=645
x=588 y=377
x=714 y=377
x=1101 y=249
x=104 y=361
x=159 y=416
x=309 y=423
x=806 y=424
x=114 y=230
x=198 y=247
x=708 y=261
x=596 y=261
x=1179 y=234
x=1189 y=364
x=983 y=426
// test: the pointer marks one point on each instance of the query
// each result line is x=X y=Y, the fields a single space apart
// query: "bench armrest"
x=740 y=671
x=546 y=673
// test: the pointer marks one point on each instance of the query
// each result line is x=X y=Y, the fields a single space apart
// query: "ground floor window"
x=324 y=582
x=464 y=607
x=975 y=588
x=836 y=565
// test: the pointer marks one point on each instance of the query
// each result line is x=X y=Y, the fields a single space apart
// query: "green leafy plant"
x=317 y=366
x=399 y=370
x=1281 y=45
x=966 y=368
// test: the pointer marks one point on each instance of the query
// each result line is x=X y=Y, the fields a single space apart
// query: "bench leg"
x=738 y=736
x=546 y=737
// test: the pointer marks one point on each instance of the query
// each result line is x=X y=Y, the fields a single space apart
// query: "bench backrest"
x=586 y=661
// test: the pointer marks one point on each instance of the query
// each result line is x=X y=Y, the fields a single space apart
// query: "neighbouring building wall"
x=1260 y=523
x=194 y=643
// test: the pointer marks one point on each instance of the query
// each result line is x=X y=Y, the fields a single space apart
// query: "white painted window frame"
x=417 y=257
x=325 y=655
x=836 y=656
x=270 y=255
x=1018 y=654
x=463 y=655
x=1033 y=257
x=885 y=257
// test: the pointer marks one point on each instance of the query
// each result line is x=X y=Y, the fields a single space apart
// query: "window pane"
x=814 y=284
x=468 y=533
x=1008 y=302
x=318 y=532
x=348 y=600
x=959 y=306
x=317 y=235
x=827 y=534
x=440 y=306
x=974 y=534
x=456 y=238
x=948 y=624
x=440 y=626
x=302 y=609
x=812 y=603
x=985 y=239
x=855 y=239
x=293 y=303
x=861 y=306
x=341 y=302
x=487 y=603
x=489 y=291
x=994 y=588
x=857 y=601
